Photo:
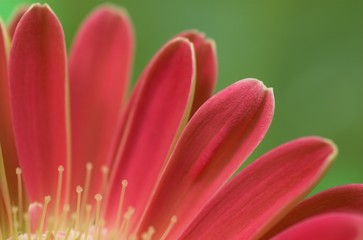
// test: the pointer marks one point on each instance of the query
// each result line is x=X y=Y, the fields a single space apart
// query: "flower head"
x=84 y=159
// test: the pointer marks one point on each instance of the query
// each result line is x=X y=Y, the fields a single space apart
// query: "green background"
x=310 y=52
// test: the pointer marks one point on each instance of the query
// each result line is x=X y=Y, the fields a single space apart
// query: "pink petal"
x=6 y=128
x=335 y=226
x=219 y=137
x=264 y=191
x=100 y=66
x=38 y=100
x=16 y=18
x=206 y=57
x=348 y=198
x=161 y=106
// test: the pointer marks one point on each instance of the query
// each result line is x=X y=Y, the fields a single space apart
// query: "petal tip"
x=326 y=143
x=38 y=6
x=334 y=148
x=182 y=40
x=113 y=9
x=212 y=43
x=192 y=32
x=256 y=82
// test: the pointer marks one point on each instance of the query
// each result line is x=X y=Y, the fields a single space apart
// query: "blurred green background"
x=310 y=52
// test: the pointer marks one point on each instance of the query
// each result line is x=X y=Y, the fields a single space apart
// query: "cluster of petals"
x=157 y=162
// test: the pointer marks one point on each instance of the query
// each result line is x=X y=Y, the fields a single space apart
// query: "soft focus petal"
x=38 y=100
x=100 y=66
x=337 y=226
x=264 y=191
x=18 y=14
x=6 y=127
x=35 y=215
x=219 y=137
x=207 y=68
x=348 y=198
x=161 y=108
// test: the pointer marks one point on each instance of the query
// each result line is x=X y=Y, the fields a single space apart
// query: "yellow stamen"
x=87 y=183
x=73 y=216
x=20 y=196
x=63 y=217
x=50 y=229
x=121 y=202
x=5 y=194
x=102 y=224
x=42 y=220
x=79 y=196
x=14 y=211
x=27 y=225
x=88 y=219
x=67 y=233
x=126 y=222
x=151 y=232
x=145 y=236
x=59 y=192
x=168 y=229
x=98 y=198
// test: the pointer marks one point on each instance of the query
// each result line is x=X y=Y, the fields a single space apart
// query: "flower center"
x=83 y=223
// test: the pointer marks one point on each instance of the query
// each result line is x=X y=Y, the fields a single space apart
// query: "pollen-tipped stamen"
x=124 y=184
x=59 y=192
x=20 y=197
x=42 y=220
x=79 y=190
x=87 y=183
x=148 y=234
x=98 y=198
x=172 y=222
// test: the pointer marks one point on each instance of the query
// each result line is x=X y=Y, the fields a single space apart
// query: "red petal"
x=16 y=19
x=206 y=61
x=38 y=100
x=161 y=107
x=336 y=226
x=206 y=57
x=219 y=137
x=8 y=155
x=263 y=191
x=6 y=126
x=100 y=66
x=348 y=198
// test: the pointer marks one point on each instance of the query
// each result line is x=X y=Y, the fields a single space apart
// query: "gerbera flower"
x=83 y=159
